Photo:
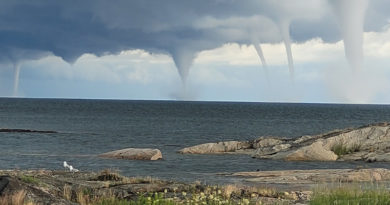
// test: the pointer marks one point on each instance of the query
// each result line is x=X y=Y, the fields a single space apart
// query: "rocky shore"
x=267 y=187
x=367 y=143
x=61 y=187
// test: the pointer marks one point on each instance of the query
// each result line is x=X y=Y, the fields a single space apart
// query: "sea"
x=86 y=128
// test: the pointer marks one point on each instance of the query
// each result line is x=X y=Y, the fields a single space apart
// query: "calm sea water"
x=90 y=127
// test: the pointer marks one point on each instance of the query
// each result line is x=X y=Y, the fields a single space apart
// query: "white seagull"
x=66 y=165
x=72 y=169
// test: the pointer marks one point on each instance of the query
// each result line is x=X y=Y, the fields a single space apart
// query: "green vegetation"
x=29 y=179
x=228 y=195
x=190 y=194
x=158 y=199
x=183 y=198
x=351 y=195
x=340 y=148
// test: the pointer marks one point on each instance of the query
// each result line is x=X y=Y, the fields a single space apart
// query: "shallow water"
x=89 y=127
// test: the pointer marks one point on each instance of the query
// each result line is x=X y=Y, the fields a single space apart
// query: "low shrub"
x=341 y=148
x=109 y=175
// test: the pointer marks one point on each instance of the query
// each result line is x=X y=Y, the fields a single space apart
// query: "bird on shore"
x=66 y=166
x=72 y=169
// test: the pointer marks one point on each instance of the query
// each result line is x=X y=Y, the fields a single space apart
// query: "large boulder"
x=134 y=154
x=214 y=148
x=313 y=152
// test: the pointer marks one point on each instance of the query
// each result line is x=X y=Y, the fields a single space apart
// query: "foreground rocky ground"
x=267 y=187
x=367 y=143
x=61 y=187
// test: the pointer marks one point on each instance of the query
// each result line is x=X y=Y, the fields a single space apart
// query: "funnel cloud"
x=16 y=79
x=32 y=30
x=351 y=16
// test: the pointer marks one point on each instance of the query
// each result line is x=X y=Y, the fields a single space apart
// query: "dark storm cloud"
x=30 y=29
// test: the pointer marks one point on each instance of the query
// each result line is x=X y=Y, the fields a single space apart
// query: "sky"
x=310 y=51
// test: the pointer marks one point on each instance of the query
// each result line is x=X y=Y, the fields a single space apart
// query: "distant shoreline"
x=189 y=101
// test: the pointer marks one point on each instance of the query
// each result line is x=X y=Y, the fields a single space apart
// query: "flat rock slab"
x=134 y=154
x=316 y=176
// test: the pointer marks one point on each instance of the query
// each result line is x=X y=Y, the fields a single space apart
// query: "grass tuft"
x=349 y=195
x=29 y=179
x=341 y=148
x=67 y=193
x=16 y=198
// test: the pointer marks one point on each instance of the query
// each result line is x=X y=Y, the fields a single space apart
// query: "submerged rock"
x=27 y=131
x=134 y=154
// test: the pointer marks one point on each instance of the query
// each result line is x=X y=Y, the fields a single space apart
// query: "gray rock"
x=264 y=151
x=213 y=148
x=134 y=154
x=385 y=157
x=303 y=139
x=281 y=147
x=357 y=156
x=270 y=150
x=266 y=142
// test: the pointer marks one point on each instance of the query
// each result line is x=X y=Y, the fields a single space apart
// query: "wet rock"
x=134 y=154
